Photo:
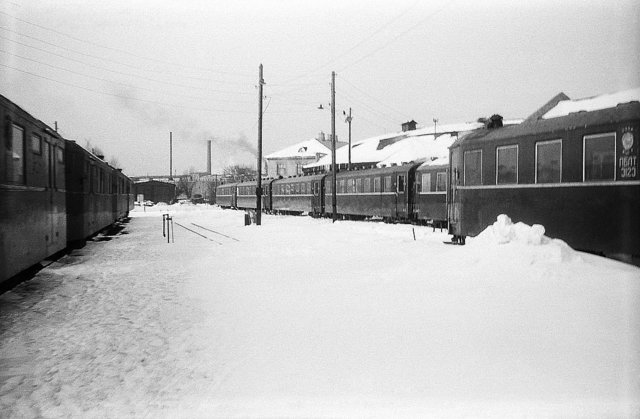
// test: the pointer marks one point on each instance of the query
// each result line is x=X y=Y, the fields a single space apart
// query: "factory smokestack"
x=209 y=157
x=170 y=155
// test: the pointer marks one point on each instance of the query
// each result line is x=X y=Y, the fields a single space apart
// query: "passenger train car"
x=52 y=192
x=576 y=173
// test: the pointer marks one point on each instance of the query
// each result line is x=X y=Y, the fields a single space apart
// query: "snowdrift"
x=530 y=239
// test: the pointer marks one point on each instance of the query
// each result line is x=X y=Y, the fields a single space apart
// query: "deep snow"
x=304 y=317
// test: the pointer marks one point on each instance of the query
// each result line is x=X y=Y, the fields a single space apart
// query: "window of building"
x=15 y=156
x=549 y=161
x=281 y=169
x=387 y=184
x=473 y=167
x=401 y=183
x=506 y=164
x=599 y=157
x=441 y=182
x=36 y=144
x=298 y=168
x=376 y=185
x=425 y=186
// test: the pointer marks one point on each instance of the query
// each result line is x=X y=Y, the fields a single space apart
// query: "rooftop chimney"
x=409 y=126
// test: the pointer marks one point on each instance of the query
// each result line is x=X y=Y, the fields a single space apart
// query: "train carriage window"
x=367 y=185
x=358 y=185
x=506 y=164
x=60 y=155
x=473 y=167
x=36 y=144
x=441 y=182
x=549 y=161
x=15 y=156
x=387 y=184
x=400 y=184
x=328 y=187
x=376 y=185
x=599 y=157
x=426 y=182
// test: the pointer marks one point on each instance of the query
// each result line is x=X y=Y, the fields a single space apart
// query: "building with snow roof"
x=408 y=145
x=290 y=160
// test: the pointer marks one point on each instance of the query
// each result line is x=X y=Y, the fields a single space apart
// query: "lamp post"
x=348 y=120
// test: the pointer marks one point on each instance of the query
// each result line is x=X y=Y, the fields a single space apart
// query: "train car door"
x=401 y=196
x=317 y=198
x=454 y=207
x=50 y=158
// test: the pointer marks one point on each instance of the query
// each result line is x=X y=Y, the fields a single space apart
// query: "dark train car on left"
x=52 y=192
x=33 y=223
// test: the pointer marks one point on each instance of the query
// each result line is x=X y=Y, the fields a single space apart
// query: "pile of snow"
x=520 y=235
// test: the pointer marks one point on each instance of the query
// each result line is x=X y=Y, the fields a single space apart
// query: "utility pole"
x=435 y=126
x=333 y=145
x=259 y=163
x=170 y=155
x=348 y=120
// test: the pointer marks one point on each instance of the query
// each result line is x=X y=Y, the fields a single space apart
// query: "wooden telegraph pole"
x=259 y=165
x=170 y=155
x=348 y=120
x=333 y=145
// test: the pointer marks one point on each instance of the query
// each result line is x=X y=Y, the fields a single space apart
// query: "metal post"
x=333 y=144
x=259 y=163
x=349 y=119
x=170 y=155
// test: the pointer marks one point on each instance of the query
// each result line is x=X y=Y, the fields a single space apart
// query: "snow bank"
x=531 y=238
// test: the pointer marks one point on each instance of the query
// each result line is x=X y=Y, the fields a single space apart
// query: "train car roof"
x=253 y=182
x=52 y=132
x=378 y=170
x=300 y=179
x=548 y=123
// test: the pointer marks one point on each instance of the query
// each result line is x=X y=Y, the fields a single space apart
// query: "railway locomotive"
x=574 y=171
x=53 y=193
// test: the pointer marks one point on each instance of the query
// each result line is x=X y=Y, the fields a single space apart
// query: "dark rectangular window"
x=506 y=165
x=400 y=183
x=600 y=157
x=15 y=156
x=426 y=183
x=376 y=185
x=358 y=185
x=549 y=161
x=473 y=167
x=441 y=181
x=387 y=184
x=36 y=144
x=367 y=185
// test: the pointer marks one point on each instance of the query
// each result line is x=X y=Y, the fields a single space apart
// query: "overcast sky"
x=123 y=74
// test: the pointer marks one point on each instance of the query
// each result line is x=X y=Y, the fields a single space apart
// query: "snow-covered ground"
x=303 y=317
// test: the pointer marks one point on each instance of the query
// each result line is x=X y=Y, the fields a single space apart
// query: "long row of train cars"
x=575 y=173
x=52 y=192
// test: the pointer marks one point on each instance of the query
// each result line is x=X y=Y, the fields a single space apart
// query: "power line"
x=401 y=34
x=373 y=98
x=125 y=73
x=114 y=61
x=362 y=41
x=122 y=96
x=116 y=82
x=120 y=50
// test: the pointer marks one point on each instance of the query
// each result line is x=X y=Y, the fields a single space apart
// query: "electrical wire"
x=119 y=83
x=114 y=61
x=120 y=50
x=125 y=73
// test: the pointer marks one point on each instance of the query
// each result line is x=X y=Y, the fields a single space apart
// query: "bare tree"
x=238 y=173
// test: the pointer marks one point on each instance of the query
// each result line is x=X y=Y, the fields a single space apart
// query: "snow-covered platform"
x=303 y=317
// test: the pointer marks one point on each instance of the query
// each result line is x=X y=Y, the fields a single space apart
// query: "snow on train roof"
x=401 y=147
x=611 y=100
